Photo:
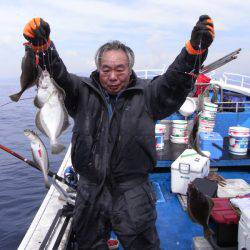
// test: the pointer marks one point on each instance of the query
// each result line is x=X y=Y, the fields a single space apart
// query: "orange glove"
x=202 y=36
x=37 y=32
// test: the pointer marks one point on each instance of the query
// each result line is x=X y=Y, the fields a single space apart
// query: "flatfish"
x=46 y=86
x=30 y=73
x=199 y=208
x=52 y=119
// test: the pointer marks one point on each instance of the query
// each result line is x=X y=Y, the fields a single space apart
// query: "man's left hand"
x=202 y=35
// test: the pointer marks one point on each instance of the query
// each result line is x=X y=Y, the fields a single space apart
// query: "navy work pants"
x=128 y=209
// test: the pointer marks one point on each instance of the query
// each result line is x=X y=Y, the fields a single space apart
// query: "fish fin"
x=60 y=89
x=16 y=97
x=38 y=123
x=46 y=180
x=208 y=233
x=36 y=103
x=57 y=148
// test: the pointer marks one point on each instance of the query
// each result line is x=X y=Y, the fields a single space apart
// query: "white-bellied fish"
x=46 y=86
x=30 y=73
x=39 y=153
x=52 y=119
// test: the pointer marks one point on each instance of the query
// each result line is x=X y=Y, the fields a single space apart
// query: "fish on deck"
x=199 y=207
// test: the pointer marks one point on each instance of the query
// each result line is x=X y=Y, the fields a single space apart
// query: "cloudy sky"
x=155 y=29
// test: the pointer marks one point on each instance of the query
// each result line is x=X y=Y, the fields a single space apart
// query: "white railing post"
x=225 y=77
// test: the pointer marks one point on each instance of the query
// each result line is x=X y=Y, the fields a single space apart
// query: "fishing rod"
x=220 y=62
x=34 y=165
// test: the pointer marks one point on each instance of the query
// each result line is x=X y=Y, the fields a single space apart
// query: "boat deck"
x=176 y=230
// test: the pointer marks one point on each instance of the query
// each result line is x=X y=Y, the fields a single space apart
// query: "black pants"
x=128 y=209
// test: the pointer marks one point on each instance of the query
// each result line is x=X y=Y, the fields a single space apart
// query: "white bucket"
x=182 y=140
x=207 y=123
x=206 y=129
x=188 y=107
x=207 y=116
x=179 y=132
x=206 y=126
x=168 y=130
x=209 y=106
x=159 y=136
x=180 y=124
x=179 y=128
x=238 y=140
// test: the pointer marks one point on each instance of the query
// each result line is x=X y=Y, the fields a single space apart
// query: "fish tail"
x=16 y=97
x=208 y=233
x=46 y=180
x=57 y=148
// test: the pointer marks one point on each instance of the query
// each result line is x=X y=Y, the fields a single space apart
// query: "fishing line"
x=44 y=64
x=27 y=98
x=49 y=55
x=198 y=57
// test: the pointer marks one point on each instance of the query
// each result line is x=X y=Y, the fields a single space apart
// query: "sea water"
x=21 y=186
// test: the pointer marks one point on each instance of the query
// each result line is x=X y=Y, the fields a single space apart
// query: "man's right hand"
x=37 y=32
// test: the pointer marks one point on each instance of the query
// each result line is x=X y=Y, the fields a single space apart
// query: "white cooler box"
x=188 y=166
x=244 y=230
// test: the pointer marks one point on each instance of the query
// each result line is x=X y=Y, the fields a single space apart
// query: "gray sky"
x=155 y=29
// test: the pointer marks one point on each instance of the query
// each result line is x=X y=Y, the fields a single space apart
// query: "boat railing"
x=150 y=73
x=233 y=106
x=236 y=79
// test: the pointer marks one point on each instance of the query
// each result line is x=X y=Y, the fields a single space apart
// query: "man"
x=113 y=142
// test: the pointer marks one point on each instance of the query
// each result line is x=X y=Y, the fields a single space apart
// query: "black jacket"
x=122 y=147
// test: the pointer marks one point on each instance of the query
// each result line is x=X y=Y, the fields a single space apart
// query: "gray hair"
x=115 y=45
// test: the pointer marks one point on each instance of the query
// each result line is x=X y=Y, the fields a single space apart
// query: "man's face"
x=114 y=71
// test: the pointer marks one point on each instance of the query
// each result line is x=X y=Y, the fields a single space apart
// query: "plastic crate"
x=224 y=222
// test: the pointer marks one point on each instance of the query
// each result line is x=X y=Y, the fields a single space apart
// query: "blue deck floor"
x=175 y=229
x=174 y=226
